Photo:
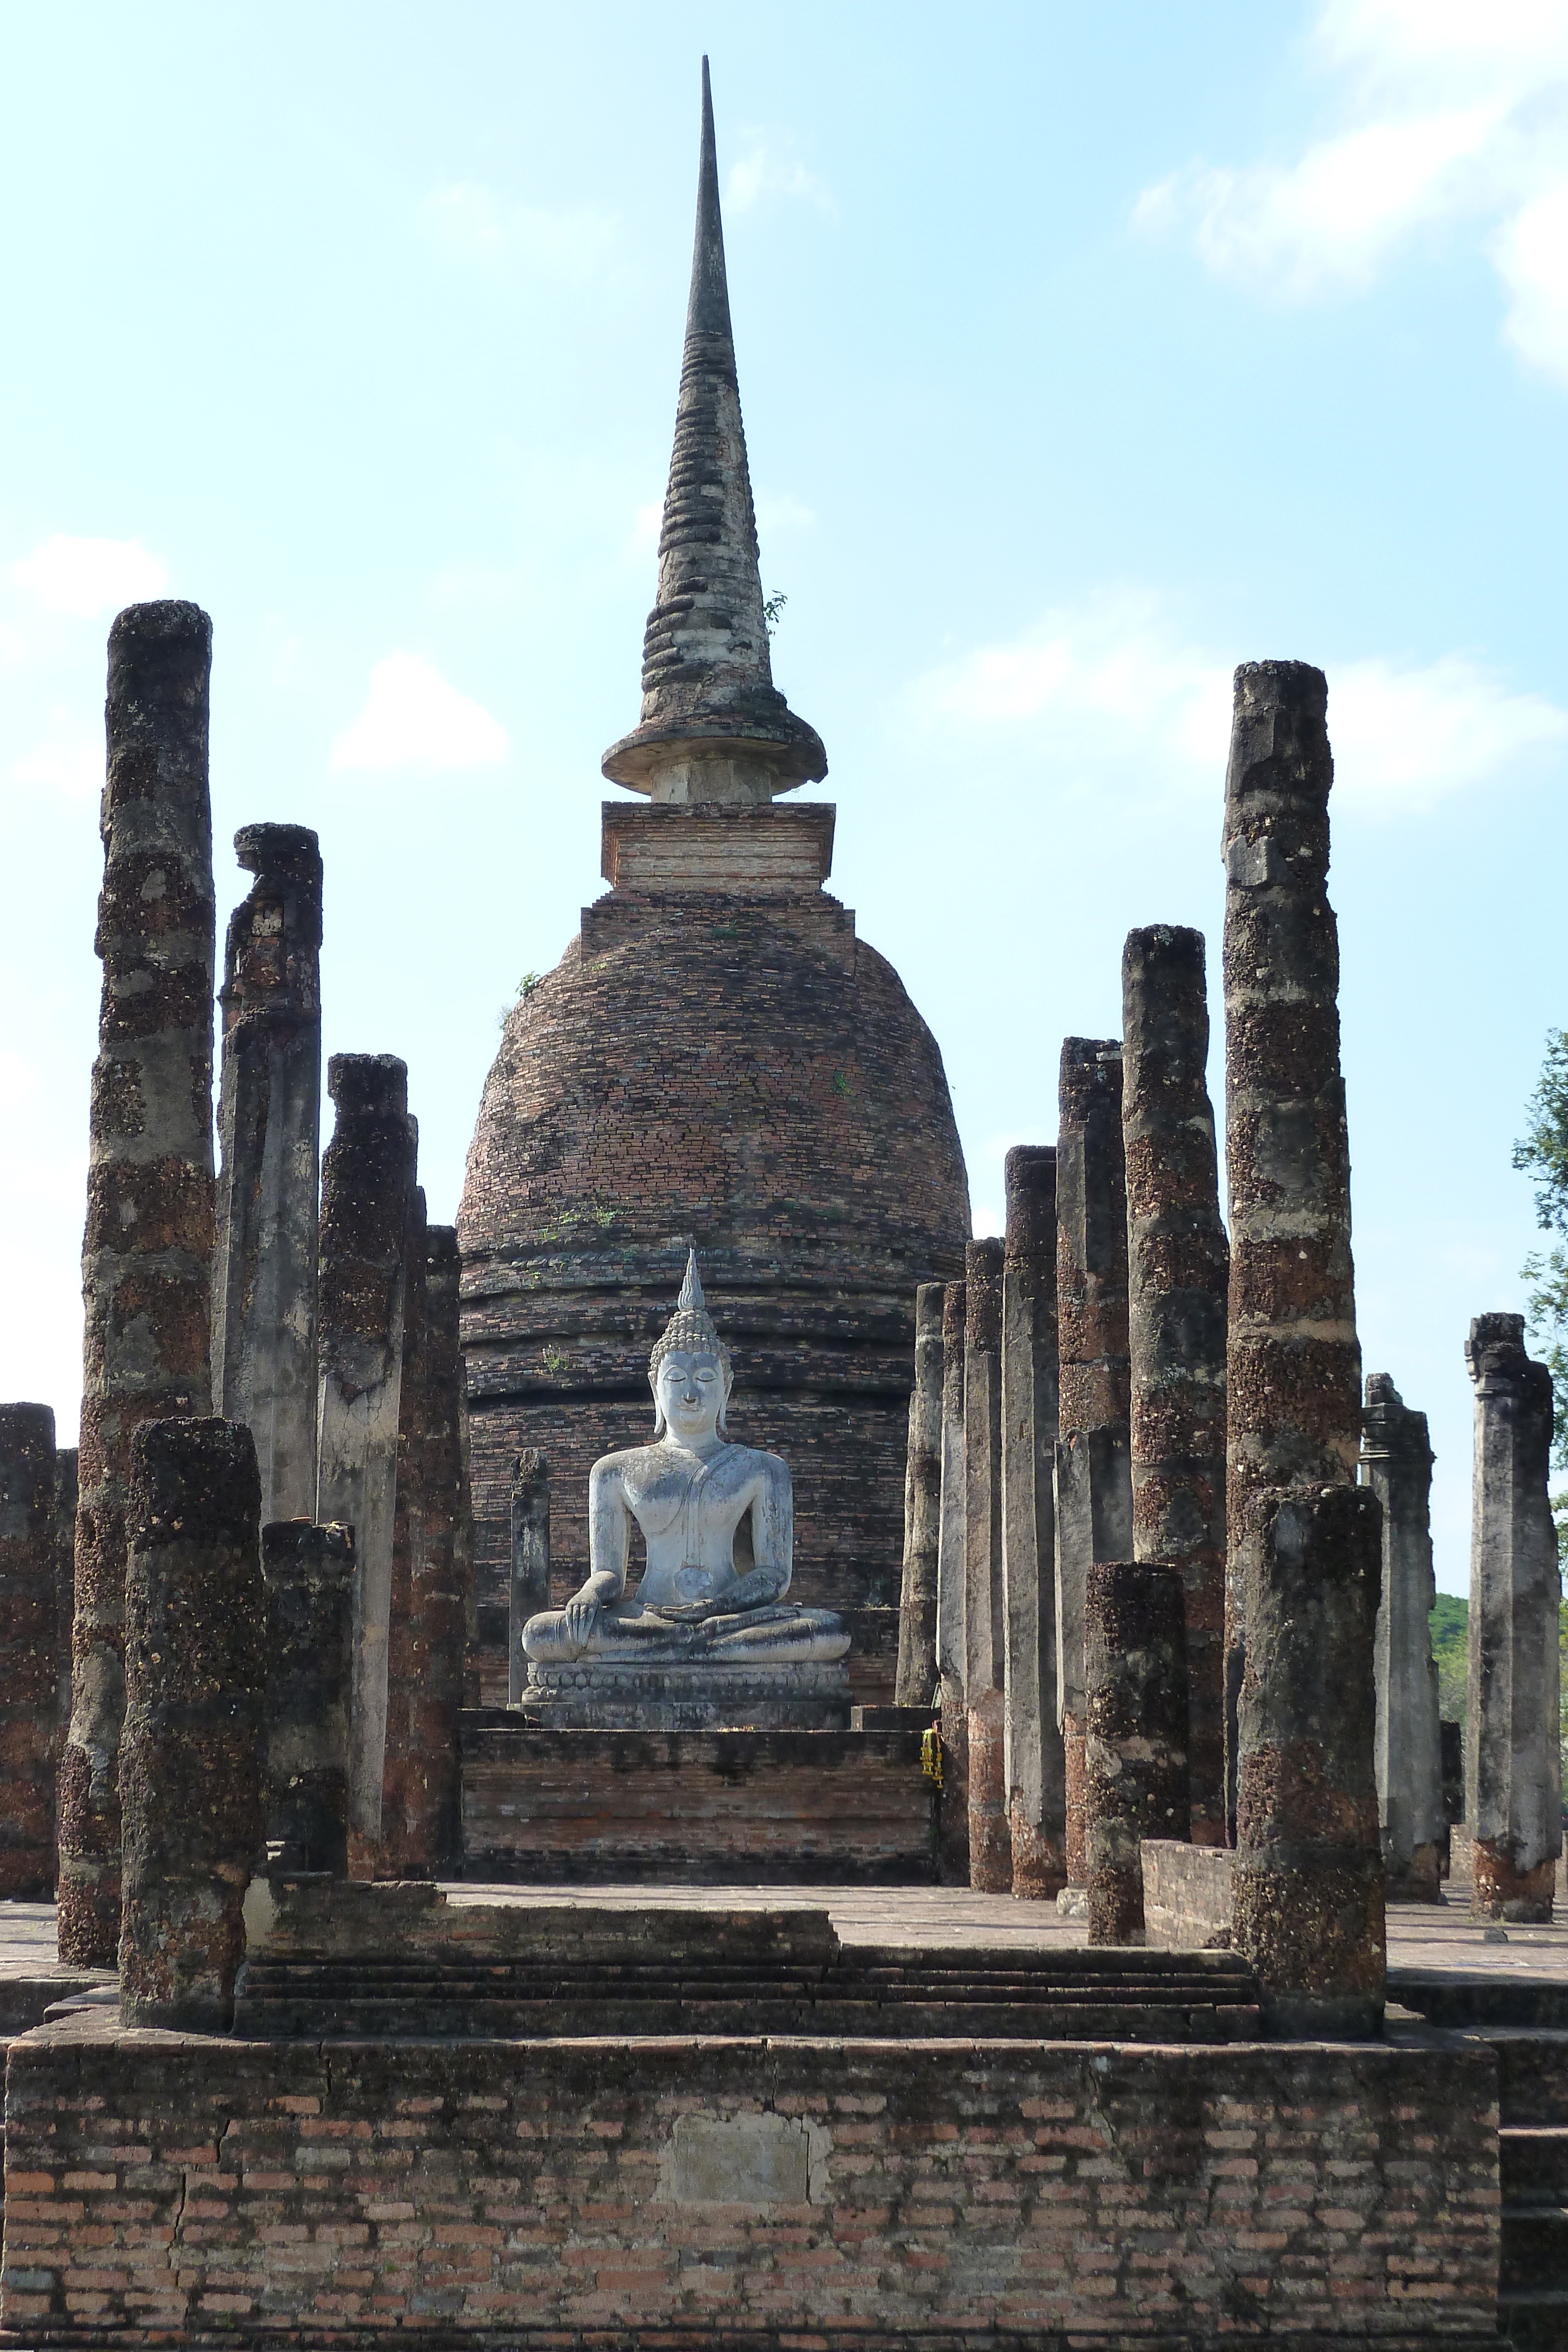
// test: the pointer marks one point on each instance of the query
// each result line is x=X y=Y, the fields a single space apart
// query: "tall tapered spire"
x=714 y=727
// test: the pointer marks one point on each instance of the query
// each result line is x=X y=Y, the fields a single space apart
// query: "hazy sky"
x=1084 y=352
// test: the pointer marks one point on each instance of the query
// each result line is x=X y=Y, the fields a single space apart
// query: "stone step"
x=1534 y=2249
x=1077 y=1996
x=283 y=2015
x=1533 y=2159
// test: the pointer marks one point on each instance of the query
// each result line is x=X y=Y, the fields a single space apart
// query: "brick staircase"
x=881 y=1992
x=1527 y=2025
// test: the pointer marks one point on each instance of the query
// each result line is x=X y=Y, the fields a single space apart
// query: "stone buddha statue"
x=717 y=1520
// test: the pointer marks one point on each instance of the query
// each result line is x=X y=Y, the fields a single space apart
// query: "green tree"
x=1542 y=1152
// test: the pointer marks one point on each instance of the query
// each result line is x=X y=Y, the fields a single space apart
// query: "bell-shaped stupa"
x=716 y=1062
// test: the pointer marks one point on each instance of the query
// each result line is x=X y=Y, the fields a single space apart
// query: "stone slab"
x=1186 y=1893
x=602 y=1695
x=701 y=2192
x=694 y=1807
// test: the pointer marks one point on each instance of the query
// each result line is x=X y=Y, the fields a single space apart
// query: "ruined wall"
x=757 y=2189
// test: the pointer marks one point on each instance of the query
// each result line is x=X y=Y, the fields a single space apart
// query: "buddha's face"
x=692 y=1392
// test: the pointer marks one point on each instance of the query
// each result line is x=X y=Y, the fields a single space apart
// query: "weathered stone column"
x=391 y=1855
x=1293 y=1371
x=921 y=1508
x=529 y=1588
x=950 y=1573
x=1513 y=1778
x=1033 y=1759
x=367 y=1178
x=1136 y=1759
x=985 y=1608
x=1093 y=1465
x=309 y=1572
x=264 y=1272
x=147 y=1255
x=195 y=1689
x=1308 y=1904
x=66 y=1500
x=437 y=1627
x=1397 y=1463
x=29 y=1653
x=1179 y=1265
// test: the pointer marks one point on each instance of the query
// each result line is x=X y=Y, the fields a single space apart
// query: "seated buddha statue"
x=717 y=1520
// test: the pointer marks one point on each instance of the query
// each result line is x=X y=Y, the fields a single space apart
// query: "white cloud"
x=1408 y=737
x=1450 y=112
x=89 y=577
x=784 y=513
x=70 y=761
x=473 y=225
x=646 y=529
x=768 y=166
x=1531 y=252
x=18 y=1080
x=1110 y=697
x=413 y=719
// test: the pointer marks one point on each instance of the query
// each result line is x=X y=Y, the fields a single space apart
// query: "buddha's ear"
x=727 y=1373
x=658 y=1408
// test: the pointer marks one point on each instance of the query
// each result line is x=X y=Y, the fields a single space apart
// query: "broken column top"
x=983 y=1284
x=1091 y=1078
x=191 y=1480
x=1030 y=1176
x=1496 y=1344
x=287 y=855
x=374 y=1085
x=529 y=1470
x=1281 y=766
x=929 y=1300
x=713 y=726
x=1391 y=1426
x=954 y=1309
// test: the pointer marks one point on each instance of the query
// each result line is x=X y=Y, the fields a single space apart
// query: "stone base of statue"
x=598 y=1694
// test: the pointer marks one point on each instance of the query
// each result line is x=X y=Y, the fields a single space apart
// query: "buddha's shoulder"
x=628 y=1462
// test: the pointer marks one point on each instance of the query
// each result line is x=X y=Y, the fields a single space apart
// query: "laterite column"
x=1397 y=1463
x=1294 y=1372
x=529 y=1584
x=1179 y=1265
x=951 y=1658
x=985 y=1641
x=367 y=1178
x=1136 y=1759
x=1093 y=1463
x=270 y=1120
x=1033 y=1756
x=921 y=1508
x=1512 y=1775
x=309 y=1573
x=195 y=1690
x=1307 y=1902
x=437 y=1625
x=147 y=1255
x=29 y=1653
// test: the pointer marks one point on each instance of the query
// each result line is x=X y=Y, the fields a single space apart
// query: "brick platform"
x=744 y=2189
x=787 y=1807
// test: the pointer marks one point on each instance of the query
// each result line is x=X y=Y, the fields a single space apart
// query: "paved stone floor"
x=1438 y=1937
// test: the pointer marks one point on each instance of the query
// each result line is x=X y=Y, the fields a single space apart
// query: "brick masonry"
x=747 y=2189
x=694 y=1807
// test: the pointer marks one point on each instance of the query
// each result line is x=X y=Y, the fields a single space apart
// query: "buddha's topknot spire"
x=713 y=726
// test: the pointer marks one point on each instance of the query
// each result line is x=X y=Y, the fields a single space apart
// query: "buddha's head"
x=690 y=1371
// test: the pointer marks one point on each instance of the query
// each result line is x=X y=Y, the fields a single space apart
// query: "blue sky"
x=1083 y=354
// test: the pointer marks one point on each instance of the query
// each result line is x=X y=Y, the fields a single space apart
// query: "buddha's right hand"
x=579 y=1618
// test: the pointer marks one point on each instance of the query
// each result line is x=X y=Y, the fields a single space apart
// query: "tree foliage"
x=1542 y=1152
